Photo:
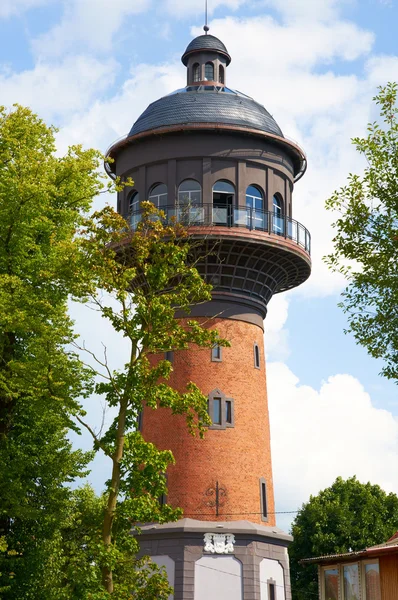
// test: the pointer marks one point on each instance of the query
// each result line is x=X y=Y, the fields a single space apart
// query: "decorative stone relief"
x=219 y=543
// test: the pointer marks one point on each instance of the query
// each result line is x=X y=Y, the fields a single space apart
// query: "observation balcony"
x=209 y=215
x=247 y=255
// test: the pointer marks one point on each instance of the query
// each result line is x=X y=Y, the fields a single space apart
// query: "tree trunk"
x=107 y=576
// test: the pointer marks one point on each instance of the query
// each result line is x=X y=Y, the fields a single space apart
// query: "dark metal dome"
x=206 y=104
x=203 y=43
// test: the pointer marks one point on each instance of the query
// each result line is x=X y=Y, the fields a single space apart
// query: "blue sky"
x=92 y=66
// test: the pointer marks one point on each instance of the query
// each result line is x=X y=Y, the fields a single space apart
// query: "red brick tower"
x=217 y=159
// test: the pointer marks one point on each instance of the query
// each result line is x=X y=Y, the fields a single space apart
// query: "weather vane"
x=206 y=27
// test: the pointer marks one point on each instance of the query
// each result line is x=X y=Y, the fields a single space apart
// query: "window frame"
x=264 y=492
x=215 y=358
x=196 y=74
x=362 y=575
x=209 y=64
x=322 y=578
x=219 y=395
x=257 y=356
x=181 y=203
x=278 y=214
x=152 y=196
x=271 y=582
x=221 y=74
x=340 y=570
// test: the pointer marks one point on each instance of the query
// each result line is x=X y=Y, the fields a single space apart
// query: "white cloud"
x=276 y=337
x=318 y=435
x=323 y=10
x=56 y=92
x=11 y=8
x=108 y=120
x=183 y=8
x=87 y=24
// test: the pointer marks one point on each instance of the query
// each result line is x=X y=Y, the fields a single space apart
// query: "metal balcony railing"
x=205 y=215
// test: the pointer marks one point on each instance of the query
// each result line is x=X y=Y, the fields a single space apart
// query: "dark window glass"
x=228 y=411
x=221 y=74
x=196 y=72
x=209 y=72
x=139 y=421
x=217 y=411
x=256 y=356
x=169 y=355
x=271 y=587
x=225 y=187
x=264 y=499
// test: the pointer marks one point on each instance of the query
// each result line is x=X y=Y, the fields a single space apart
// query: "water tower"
x=217 y=160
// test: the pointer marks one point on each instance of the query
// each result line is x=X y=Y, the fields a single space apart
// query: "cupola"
x=206 y=59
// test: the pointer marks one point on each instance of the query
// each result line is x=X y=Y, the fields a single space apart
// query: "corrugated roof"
x=391 y=544
x=205 y=42
x=195 y=107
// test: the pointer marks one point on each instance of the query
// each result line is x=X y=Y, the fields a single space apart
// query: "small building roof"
x=204 y=43
x=388 y=547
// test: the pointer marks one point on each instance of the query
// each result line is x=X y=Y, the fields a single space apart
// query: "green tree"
x=349 y=515
x=366 y=241
x=148 y=275
x=43 y=200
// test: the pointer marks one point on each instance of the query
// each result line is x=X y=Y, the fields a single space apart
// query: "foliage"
x=149 y=275
x=366 y=241
x=55 y=543
x=349 y=515
x=43 y=199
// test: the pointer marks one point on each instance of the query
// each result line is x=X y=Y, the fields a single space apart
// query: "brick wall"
x=235 y=457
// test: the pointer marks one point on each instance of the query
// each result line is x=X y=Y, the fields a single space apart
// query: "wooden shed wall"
x=389 y=577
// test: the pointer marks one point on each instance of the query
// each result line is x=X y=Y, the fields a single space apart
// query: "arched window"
x=255 y=202
x=224 y=187
x=134 y=202
x=196 y=72
x=158 y=195
x=221 y=77
x=134 y=207
x=189 y=193
x=209 y=71
x=277 y=209
x=223 y=203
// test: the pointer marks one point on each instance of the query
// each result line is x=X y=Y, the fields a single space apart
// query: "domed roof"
x=203 y=43
x=208 y=105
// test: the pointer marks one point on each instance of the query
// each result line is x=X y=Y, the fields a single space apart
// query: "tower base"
x=234 y=560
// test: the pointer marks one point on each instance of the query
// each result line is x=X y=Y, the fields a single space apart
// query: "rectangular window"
x=217 y=411
x=331 y=583
x=216 y=353
x=351 y=582
x=264 y=508
x=271 y=591
x=256 y=356
x=372 y=581
x=228 y=412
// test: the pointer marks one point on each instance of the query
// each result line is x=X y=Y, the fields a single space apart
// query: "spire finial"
x=206 y=28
